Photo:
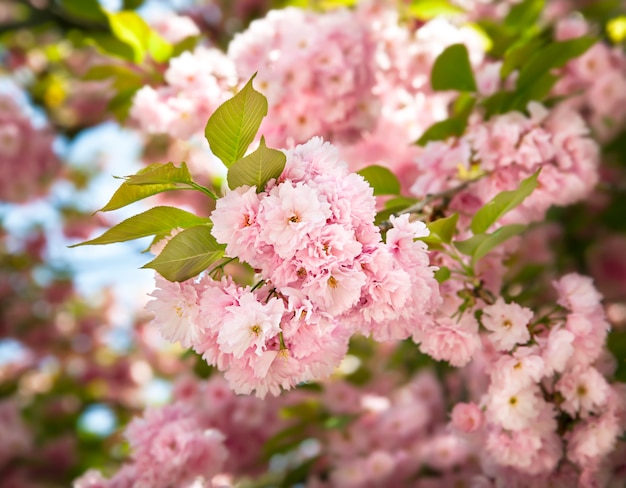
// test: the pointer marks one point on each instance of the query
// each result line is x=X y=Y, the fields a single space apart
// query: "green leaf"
x=159 y=49
x=554 y=55
x=339 y=422
x=463 y=105
x=442 y=274
x=187 y=44
x=160 y=174
x=257 y=168
x=157 y=220
x=479 y=245
x=330 y=4
x=234 y=124
x=123 y=78
x=602 y=10
x=616 y=344
x=120 y=104
x=187 y=254
x=131 y=29
x=401 y=202
x=521 y=23
x=307 y=410
x=86 y=10
x=519 y=53
x=129 y=192
x=501 y=37
x=440 y=131
x=537 y=90
x=156 y=239
x=285 y=439
x=501 y=204
x=523 y=15
x=132 y=4
x=381 y=179
x=298 y=475
x=429 y=9
x=500 y=102
x=394 y=206
x=452 y=70
x=442 y=230
x=112 y=46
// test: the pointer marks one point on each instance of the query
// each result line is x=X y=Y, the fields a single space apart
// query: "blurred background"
x=78 y=357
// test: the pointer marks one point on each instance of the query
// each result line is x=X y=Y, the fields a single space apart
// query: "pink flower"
x=589 y=336
x=577 y=293
x=593 y=439
x=507 y=323
x=158 y=246
x=467 y=417
x=235 y=223
x=584 y=390
x=265 y=374
x=557 y=350
x=175 y=28
x=330 y=244
x=171 y=447
x=289 y=212
x=452 y=342
x=519 y=370
x=16 y=439
x=513 y=408
x=176 y=311
x=516 y=449
x=444 y=451
x=250 y=324
x=379 y=465
x=335 y=290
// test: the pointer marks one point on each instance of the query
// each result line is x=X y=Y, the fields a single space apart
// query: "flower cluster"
x=197 y=83
x=170 y=448
x=437 y=335
x=332 y=97
x=508 y=148
x=207 y=434
x=598 y=81
x=27 y=158
x=545 y=398
x=174 y=28
x=16 y=437
x=325 y=274
x=403 y=58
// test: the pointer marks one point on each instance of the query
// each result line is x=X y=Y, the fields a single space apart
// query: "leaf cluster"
x=229 y=131
x=525 y=47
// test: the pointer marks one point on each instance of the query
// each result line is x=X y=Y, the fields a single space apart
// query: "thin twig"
x=431 y=197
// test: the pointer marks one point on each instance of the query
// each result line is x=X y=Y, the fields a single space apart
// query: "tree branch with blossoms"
x=305 y=262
